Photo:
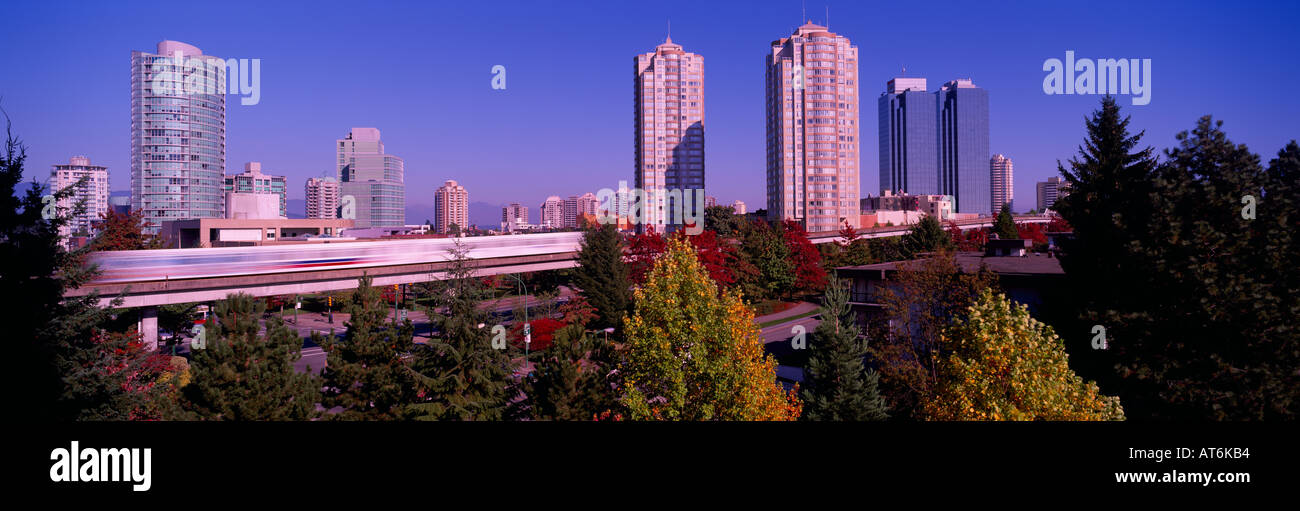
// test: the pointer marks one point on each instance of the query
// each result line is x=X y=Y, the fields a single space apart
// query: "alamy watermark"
x=1102 y=76
x=201 y=75
x=652 y=206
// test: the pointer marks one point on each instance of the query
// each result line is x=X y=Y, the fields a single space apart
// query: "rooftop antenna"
x=803 y=14
x=670 y=28
x=828 y=17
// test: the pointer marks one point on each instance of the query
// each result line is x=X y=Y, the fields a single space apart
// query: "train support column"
x=148 y=327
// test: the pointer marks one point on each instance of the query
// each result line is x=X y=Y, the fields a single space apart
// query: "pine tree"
x=695 y=354
x=367 y=375
x=461 y=375
x=241 y=375
x=1005 y=226
x=926 y=236
x=839 y=387
x=71 y=366
x=602 y=276
x=572 y=378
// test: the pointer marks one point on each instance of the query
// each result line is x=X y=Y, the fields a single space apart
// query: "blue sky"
x=420 y=72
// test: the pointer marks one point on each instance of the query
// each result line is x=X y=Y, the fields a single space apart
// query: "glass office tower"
x=909 y=158
x=963 y=112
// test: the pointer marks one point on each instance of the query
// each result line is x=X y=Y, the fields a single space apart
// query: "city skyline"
x=498 y=158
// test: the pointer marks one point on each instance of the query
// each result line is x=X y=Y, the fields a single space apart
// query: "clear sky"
x=421 y=73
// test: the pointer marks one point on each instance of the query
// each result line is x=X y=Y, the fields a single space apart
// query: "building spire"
x=669 y=40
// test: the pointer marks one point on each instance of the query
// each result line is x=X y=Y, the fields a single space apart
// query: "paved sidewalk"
x=800 y=308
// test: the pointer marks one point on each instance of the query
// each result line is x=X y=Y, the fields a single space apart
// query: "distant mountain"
x=296 y=208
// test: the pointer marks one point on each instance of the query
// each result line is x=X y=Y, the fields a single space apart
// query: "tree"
x=854 y=250
x=1005 y=225
x=718 y=256
x=839 y=386
x=71 y=367
x=572 y=379
x=922 y=298
x=366 y=374
x=809 y=275
x=1001 y=364
x=767 y=270
x=453 y=229
x=926 y=236
x=1196 y=294
x=602 y=276
x=642 y=250
x=696 y=354
x=461 y=375
x=124 y=231
x=241 y=375
x=722 y=220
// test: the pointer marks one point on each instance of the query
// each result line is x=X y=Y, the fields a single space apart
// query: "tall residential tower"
x=812 y=129
x=178 y=134
x=450 y=206
x=668 y=95
x=1004 y=190
x=90 y=185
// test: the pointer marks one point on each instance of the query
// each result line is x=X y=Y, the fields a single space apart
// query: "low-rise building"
x=240 y=232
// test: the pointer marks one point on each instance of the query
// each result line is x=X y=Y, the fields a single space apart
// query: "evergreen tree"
x=461 y=375
x=572 y=378
x=926 y=236
x=241 y=375
x=765 y=250
x=1196 y=295
x=695 y=354
x=71 y=367
x=602 y=276
x=1005 y=226
x=366 y=375
x=722 y=220
x=839 y=387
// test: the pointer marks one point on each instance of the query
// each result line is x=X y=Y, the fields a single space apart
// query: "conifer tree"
x=602 y=276
x=367 y=374
x=461 y=376
x=839 y=386
x=572 y=378
x=1005 y=226
x=926 y=236
x=241 y=375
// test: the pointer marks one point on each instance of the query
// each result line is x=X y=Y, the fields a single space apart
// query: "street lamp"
x=528 y=334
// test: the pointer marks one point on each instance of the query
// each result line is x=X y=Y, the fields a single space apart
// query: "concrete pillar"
x=149 y=327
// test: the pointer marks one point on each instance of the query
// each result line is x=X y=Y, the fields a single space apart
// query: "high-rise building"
x=1004 y=190
x=252 y=180
x=178 y=134
x=551 y=213
x=89 y=186
x=371 y=182
x=963 y=131
x=812 y=129
x=909 y=157
x=578 y=205
x=514 y=217
x=322 y=197
x=450 y=206
x=668 y=93
x=1050 y=191
x=738 y=207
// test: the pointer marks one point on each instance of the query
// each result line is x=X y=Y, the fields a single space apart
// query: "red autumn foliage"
x=124 y=231
x=718 y=256
x=1058 y=224
x=810 y=277
x=543 y=331
x=642 y=250
x=970 y=240
x=1034 y=232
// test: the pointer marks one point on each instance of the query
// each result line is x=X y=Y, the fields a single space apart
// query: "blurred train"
x=195 y=263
